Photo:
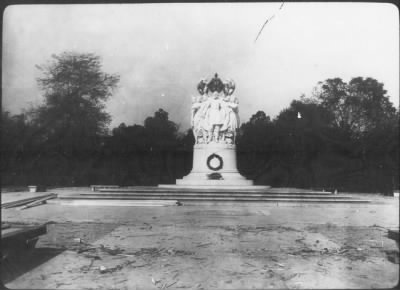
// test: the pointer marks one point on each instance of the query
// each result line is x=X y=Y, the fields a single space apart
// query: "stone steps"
x=199 y=194
x=177 y=195
x=228 y=199
x=214 y=190
x=207 y=197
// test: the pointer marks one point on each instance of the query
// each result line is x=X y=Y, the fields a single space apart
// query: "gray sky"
x=162 y=50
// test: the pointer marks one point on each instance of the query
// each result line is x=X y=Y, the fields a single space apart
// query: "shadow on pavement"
x=21 y=261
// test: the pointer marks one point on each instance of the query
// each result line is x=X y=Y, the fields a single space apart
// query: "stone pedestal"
x=214 y=164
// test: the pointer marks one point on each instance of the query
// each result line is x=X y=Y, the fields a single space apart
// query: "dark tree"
x=358 y=106
x=129 y=138
x=302 y=133
x=161 y=132
x=259 y=118
x=346 y=136
x=69 y=127
x=363 y=112
x=13 y=144
x=254 y=146
x=75 y=88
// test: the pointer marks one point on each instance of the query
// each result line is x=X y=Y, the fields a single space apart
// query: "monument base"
x=214 y=164
x=216 y=183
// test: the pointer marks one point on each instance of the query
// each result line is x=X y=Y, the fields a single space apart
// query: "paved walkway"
x=205 y=246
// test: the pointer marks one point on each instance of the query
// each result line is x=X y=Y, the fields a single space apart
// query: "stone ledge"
x=234 y=183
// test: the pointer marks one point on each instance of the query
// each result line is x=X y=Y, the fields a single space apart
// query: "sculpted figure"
x=215 y=116
x=231 y=121
x=229 y=87
x=202 y=86
x=196 y=104
x=199 y=125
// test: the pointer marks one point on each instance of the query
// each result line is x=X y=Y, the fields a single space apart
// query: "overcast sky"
x=162 y=50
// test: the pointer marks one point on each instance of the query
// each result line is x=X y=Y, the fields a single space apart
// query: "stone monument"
x=214 y=121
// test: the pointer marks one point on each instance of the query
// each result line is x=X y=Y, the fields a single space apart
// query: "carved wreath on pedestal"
x=218 y=159
x=215 y=117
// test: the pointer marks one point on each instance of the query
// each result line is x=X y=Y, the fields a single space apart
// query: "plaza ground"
x=209 y=246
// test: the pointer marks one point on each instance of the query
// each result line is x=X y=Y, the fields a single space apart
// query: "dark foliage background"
x=345 y=136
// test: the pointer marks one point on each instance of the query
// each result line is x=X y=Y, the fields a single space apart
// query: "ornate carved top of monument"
x=215 y=117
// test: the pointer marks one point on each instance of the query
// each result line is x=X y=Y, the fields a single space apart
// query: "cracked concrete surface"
x=230 y=246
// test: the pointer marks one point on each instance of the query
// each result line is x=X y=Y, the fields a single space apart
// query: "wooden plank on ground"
x=115 y=202
x=38 y=202
x=26 y=232
x=24 y=201
x=5 y=226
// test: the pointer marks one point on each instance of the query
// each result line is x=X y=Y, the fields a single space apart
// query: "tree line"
x=343 y=136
